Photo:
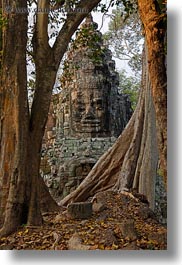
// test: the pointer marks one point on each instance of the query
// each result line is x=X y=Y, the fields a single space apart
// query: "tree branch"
x=105 y=13
x=40 y=39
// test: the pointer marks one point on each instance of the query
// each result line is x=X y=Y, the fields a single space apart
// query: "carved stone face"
x=89 y=112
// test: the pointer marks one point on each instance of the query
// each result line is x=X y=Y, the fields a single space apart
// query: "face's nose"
x=89 y=114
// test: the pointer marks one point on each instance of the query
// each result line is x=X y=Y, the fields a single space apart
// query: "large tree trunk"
x=132 y=161
x=44 y=80
x=155 y=34
x=14 y=123
x=147 y=161
x=20 y=146
x=47 y=62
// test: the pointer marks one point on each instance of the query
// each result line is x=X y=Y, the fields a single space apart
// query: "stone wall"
x=71 y=160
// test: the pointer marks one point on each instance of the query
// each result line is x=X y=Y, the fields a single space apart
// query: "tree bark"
x=145 y=174
x=13 y=122
x=155 y=33
x=47 y=203
x=132 y=160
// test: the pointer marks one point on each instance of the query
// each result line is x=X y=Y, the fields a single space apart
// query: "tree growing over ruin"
x=132 y=161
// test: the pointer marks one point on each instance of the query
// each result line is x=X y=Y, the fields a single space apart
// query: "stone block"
x=98 y=207
x=127 y=229
x=75 y=243
x=80 y=210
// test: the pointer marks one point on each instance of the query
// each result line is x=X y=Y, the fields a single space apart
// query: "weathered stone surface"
x=80 y=210
x=161 y=238
x=90 y=104
x=146 y=213
x=98 y=202
x=61 y=217
x=160 y=200
x=131 y=246
x=75 y=243
x=127 y=229
x=109 y=238
x=98 y=207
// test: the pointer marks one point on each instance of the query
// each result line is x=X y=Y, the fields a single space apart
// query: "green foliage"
x=129 y=85
x=130 y=6
x=162 y=5
x=126 y=41
x=160 y=171
x=88 y=37
x=67 y=76
x=125 y=38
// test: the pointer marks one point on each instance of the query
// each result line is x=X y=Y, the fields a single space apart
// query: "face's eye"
x=80 y=109
x=99 y=108
x=97 y=102
x=77 y=116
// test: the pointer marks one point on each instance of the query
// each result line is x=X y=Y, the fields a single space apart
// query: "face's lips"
x=90 y=122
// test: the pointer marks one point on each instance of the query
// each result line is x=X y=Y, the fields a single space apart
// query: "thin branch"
x=29 y=33
x=105 y=13
x=122 y=58
x=30 y=53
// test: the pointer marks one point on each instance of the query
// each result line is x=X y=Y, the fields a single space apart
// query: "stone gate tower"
x=90 y=105
x=91 y=112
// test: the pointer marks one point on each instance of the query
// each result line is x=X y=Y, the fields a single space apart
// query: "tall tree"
x=153 y=16
x=132 y=161
x=21 y=130
x=14 y=118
